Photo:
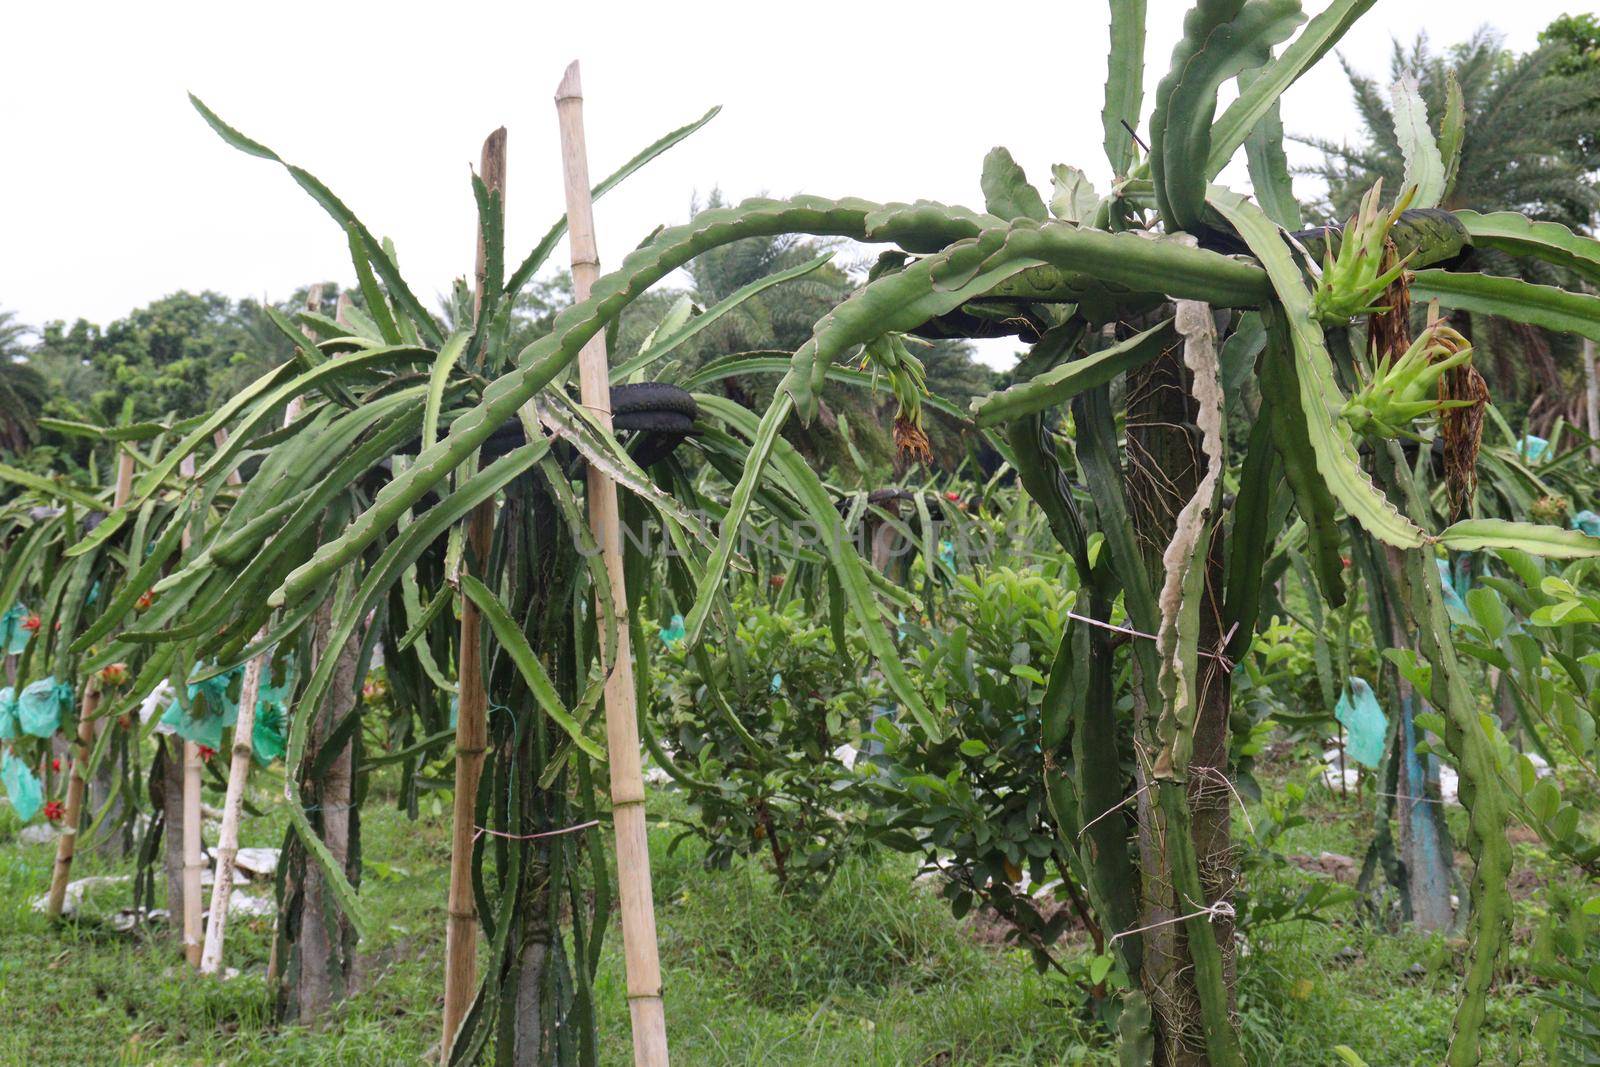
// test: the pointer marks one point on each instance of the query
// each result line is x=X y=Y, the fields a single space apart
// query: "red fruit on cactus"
x=31 y=624
x=54 y=810
x=206 y=751
x=145 y=600
x=55 y=763
x=952 y=496
x=114 y=674
x=776 y=581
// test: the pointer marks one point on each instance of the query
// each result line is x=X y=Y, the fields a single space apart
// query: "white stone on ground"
x=73 y=899
x=1333 y=777
x=258 y=861
x=247 y=904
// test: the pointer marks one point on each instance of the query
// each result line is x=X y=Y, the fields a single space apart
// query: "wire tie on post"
x=481 y=830
x=1222 y=659
x=1220 y=910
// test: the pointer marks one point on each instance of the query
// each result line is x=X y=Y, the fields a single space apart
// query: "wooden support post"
x=472 y=730
x=1591 y=398
x=78 y=786
x=238 y=777
x=232 y=813
x=622 y=729
x=194 y=861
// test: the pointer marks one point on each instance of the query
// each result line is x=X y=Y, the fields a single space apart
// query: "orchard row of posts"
x=203 y=937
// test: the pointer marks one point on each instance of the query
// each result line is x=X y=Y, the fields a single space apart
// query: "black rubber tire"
x=507 y=437
x=674 y=423
x=660 y=414
x=643 y=397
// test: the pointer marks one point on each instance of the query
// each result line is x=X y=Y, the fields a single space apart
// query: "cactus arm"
x=1124 y=83
x=1181 y=139
x=544 y=359
x=1513 y=298
x=1280 y=399
x=1063 y=382
x=1491 y=906
x=1250 y=538
x=1320 y=399
x=1517 y=235
x=1257 y=99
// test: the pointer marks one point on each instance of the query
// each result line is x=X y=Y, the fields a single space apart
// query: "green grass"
x=875 y=972
x=82 y=993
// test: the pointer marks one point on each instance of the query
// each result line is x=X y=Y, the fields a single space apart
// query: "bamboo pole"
x=232 y=812
x=78 y=785
x=194 y=862
x=1591 y=397
x=622 y=728
x=238 y=778
x=472 y=729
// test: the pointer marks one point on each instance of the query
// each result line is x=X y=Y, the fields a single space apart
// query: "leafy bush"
x=765 y=729
x=974 y=804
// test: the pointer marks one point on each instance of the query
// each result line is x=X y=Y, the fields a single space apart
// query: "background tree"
x=1576 y=39
x=22 y=390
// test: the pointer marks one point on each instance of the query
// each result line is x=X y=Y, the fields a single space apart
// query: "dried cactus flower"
x=889 y=356
x=1554 y=510
x=1461 y=430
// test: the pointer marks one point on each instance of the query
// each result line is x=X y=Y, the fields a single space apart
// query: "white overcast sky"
x=114 y=192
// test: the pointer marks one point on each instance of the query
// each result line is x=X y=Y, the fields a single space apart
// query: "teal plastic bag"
x=196 y=725
x=193 y=725
x=9 y=726
x=22 y=787
x=267 y=739
x=13 y=635
x=40 y=705
x=670 y=635
x=1366 y=726
x=1533 y=448
x=1588 y=522
x=266 y=736
x=213 y=694
x=1454 y=605
x=210 y=711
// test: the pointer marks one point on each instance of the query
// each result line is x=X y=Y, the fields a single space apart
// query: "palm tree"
x=22 y=389
x=1527 y=118
x=1523 y=114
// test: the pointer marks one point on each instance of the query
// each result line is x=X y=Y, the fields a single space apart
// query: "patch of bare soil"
x=1343 y=869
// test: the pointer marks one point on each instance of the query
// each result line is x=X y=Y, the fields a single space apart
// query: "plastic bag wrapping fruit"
x=40 y=705
x=22 y=787
x=1366 y=726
